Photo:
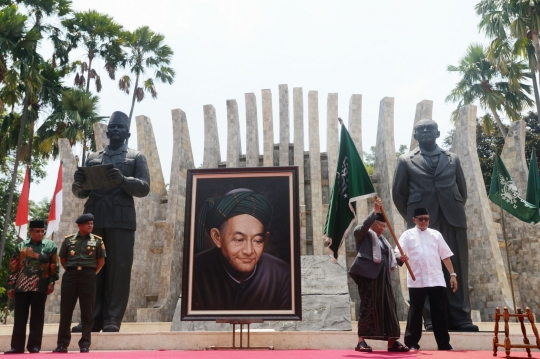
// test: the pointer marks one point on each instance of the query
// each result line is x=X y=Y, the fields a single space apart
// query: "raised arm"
x=361 y=231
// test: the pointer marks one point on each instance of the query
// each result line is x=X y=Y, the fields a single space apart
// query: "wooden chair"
x=507 y=344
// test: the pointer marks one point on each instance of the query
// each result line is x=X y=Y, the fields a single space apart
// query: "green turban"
x=215 y=211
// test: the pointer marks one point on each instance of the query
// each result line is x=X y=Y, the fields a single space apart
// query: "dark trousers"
x=437 y=301
x=113 y=281
x=77 y=284
x=459 y=303
x=23 y=302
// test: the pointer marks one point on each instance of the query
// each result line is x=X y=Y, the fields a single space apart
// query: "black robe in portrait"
x=268 y=288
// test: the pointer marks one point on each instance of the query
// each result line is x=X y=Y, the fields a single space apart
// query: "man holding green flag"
x=352 y=183
x=377 y=316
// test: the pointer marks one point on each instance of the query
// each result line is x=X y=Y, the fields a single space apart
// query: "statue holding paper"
x=110 y=180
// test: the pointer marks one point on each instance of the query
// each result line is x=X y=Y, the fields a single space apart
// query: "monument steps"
x=156 y=336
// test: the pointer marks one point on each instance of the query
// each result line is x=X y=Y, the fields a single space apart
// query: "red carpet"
x=288 y=354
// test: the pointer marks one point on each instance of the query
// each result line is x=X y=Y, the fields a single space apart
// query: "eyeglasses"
x=422 y=219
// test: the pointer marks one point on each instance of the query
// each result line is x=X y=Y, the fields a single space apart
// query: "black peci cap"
x=36 y=224
x=420 y=211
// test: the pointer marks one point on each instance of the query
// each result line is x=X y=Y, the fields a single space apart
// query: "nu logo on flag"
x=344 y=178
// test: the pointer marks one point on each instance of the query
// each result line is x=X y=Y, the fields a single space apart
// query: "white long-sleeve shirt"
x=425 y=249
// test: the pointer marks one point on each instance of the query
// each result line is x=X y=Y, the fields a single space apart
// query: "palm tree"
x=480 y=81
x=517 y=19
x=24 y=73
x=146 y=51
x=100 y=36
x=74 y=121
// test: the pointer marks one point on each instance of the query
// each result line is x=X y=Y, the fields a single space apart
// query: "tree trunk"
x=83 y=163
x=133 y=102
x=499 y=123
x=536 y=94
x=14 y=175
x=29 y=159
x=536 y=44
x=90 y=57
x=133 y=98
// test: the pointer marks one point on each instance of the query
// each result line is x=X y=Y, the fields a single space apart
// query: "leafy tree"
x=74 y=120
x=100 y=36
x=146 y=51
x=480 y=81
x=10 y=234
x=518 y=20
x=39 y=210
x=488 y=145
x=22 y=77
x=369 y=157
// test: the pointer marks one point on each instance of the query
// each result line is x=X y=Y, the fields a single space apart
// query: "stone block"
x=284 y=131
x=424 y=110
x=252 y=133
x=268 y=129
x=234 y=148
x=211 y=156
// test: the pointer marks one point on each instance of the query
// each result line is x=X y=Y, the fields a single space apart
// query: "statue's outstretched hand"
x=115 y=175
x=79 y=177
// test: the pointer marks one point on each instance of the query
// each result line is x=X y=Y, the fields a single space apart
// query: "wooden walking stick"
x=396 y=241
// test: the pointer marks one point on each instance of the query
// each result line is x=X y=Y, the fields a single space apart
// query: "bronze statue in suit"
x=432 y=178
x=114 y=219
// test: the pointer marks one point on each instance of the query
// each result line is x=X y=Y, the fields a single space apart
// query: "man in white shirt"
x=425 y=249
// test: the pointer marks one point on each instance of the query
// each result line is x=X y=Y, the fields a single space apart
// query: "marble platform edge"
x=279 y=340
x=151 y=327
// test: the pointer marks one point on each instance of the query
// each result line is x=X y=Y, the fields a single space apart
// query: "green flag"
x=533 y=183
x=504 y=191
x=351 y=184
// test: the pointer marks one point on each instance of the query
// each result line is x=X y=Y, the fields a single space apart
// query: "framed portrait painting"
x=241 y=244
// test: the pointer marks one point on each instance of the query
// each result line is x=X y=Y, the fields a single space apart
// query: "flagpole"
x=396 y=241
x=506 y=240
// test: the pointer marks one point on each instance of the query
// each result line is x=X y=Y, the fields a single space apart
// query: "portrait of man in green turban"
x=236 y=273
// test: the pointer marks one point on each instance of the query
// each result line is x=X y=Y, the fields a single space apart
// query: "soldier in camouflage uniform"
x=82 y=255
x=33 y=269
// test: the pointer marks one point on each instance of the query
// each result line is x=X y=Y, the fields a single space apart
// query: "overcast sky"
x=226 y=48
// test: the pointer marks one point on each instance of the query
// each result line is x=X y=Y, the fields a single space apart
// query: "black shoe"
x=85 y=350
x=33 y=350
x=60 y=349
x=77 y=328
x=110 y=328
x=448 y=347
x=429 y=328
x=363 y=347
x=14 y=351
x=467 y=327
x=414 y=347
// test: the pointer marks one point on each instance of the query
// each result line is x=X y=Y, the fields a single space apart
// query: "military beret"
x=379 y=217
x=420 y=211
x=36 y=224
x=83 y=218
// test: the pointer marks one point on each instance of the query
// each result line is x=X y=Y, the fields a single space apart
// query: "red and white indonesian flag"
x=53 y=222
x=21 y=220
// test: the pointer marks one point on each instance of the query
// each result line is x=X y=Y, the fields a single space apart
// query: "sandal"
x=363 y=347
x=398 y=347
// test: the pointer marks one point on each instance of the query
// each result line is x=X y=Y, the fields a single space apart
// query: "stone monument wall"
x=155 y=291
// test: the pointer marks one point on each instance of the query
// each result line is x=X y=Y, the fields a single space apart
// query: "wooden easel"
x=507 y=344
